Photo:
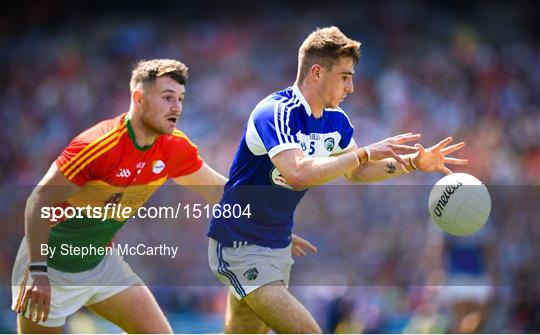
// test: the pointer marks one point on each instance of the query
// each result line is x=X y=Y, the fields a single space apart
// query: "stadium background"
x=469 y=69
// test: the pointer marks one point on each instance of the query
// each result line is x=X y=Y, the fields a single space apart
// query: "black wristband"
x=38 y=268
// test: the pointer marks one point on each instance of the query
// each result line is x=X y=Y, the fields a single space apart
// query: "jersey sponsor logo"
x=251 y=274
x=329 y=144
x=158 y=166
x=123 y=173
x=278 y=180
x=140 y=166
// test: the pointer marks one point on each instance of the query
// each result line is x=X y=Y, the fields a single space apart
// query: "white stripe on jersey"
x=281 y=114
x=296 y=104
x=287 y=110
x=276 y=107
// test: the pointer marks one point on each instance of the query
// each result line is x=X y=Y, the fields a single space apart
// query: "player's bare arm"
x=206 y=181
x=301 y=171
x=54 y=188
x=431 y=159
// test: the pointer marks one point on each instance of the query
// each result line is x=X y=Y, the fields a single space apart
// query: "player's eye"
x=169 y=98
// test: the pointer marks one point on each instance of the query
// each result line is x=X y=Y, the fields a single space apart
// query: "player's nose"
x=177 y=107
x=349 y=88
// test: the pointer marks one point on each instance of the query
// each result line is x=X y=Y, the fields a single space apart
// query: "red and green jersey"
x=110 y=167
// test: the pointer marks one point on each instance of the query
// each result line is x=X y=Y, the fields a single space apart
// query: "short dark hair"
x=149 y=70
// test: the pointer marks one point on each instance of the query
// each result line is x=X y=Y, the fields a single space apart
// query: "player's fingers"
x=455 y=161
x=404 y=149
x=31 y=308
x=24 y=301
x=443 y=143
x=452 y=148
x=303 y=243
x=298 y=251
x=446 y=170
x=46 y=309
x=39 y=310
x=400 y=135
x=398 y=158
x=308 y=246
x=407 y=138
x=48 y=306
x=420 y=147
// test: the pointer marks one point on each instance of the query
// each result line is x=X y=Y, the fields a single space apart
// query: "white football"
x=459 y=204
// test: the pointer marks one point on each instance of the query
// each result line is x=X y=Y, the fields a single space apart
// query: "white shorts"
x=71 y=291
x=246 y=268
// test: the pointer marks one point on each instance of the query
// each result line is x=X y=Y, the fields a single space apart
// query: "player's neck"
x=143 y=136
x=311 y=97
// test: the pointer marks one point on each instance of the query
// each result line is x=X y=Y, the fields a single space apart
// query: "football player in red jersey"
x=121 y=160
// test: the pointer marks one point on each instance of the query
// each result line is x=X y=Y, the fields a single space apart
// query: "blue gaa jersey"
x=281 y=121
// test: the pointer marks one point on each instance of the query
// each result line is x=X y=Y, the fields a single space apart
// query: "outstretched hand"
x=393 y=147
x=434 y=158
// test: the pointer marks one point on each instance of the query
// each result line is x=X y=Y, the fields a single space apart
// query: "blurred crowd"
x=423 y=69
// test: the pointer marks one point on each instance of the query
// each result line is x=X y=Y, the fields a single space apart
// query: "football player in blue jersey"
x=294 y=139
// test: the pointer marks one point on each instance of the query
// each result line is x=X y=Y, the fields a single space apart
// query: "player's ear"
x=136 y=95
x=316 y=72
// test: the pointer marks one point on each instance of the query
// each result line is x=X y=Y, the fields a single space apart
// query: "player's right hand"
x=36 y=300
x=392 y=147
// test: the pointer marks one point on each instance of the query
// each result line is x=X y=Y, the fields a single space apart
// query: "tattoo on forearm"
x=390 y=168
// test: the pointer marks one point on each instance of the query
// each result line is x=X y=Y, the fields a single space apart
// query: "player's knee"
x=149 y=327
x=231 y=328
x=310 y=329
x=157 y=329
x=245 y=328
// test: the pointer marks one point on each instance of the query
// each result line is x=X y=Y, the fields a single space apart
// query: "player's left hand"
x=300 y=245
x=434 y=158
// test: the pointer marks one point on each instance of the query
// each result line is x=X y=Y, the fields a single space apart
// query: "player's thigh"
x=280 y=310
x=134 y=310
x=240 y=319
x=25 y=326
